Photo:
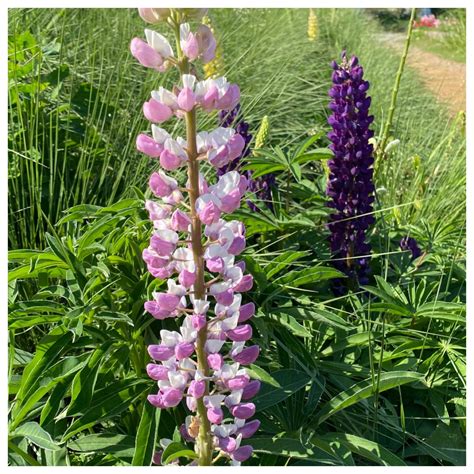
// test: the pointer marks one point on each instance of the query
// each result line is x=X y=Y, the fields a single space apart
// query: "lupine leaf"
x=37 y=435
x=289 y=380
x=145 y=440
x=366 y=389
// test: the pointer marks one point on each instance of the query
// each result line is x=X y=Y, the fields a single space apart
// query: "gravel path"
x=446 y=79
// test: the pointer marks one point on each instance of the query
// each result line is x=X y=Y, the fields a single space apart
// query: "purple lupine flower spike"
x=260 y=187
x=409 y=243
x=350 y=187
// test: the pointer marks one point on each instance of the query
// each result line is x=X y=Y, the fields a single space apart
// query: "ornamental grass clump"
x=195 y=249
x=350 y=187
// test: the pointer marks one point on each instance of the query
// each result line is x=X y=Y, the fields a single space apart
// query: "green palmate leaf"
x=281 y=262
x=47 y=352
x=114 y=316
x=34 y=312
x=447 y=311
x=289 y=380
x=54 y=269
x=145 y=440
x=21 y=358
x=316 y=390
x=298 y=278
x=61 y=371
x=257 y=222
x=63 y=252
x=446 y=443
x=176 y=450
x=314 y=314
x=84 y=381
x=263 y=169
x=284 y=446
x=353 y=340
x=55 y=400
x=78 y=212
x=313 y=155
x=257 y=272
x=95 y=231
x=364 y=448
x=59 y=457
x=28 y=254
x=118 y=444
x=107 y=403
x=37 y=435
x=294 y=326
x=366 y=389
x=122 y=205
x=258 y=373
x=409 y=346
x=295 y=169
x=20 y=321
x=308 y=142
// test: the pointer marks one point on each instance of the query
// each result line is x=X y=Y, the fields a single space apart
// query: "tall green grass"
x=76 y=93
x=376 y=377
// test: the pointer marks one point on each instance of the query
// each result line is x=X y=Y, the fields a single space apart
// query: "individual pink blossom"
x=154 y=15
x=251 y=390
x=147 y=145
x=164 y=242
x=145 y=54
x=201 y=44
x=161 y=184
x=246 y=356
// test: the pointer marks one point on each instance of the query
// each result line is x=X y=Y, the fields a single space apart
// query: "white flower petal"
x=169 y=338
x=214 y=345
x=214 y=401
x=189 y=80
x=235 y=397
x=159 y=43
x=201 y=306
x=230 y=322
x=160 y=135
x=177 y=379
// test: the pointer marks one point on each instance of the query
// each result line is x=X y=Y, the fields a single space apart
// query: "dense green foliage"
x=376 y=377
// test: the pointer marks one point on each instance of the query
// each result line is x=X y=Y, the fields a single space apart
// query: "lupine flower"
x=157 y=15
x=350 y=187
x=410 y=244
x=207 y=374
x=261 y=186
x=312 y=25
x=215 y=67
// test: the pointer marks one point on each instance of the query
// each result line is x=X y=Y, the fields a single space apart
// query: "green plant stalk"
x=204 y=445
x=288 y=184
x=396 y=87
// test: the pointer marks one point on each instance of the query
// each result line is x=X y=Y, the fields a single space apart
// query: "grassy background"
x=75 y=110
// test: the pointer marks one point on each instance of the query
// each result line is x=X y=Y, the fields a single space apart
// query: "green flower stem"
x=396 y=87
